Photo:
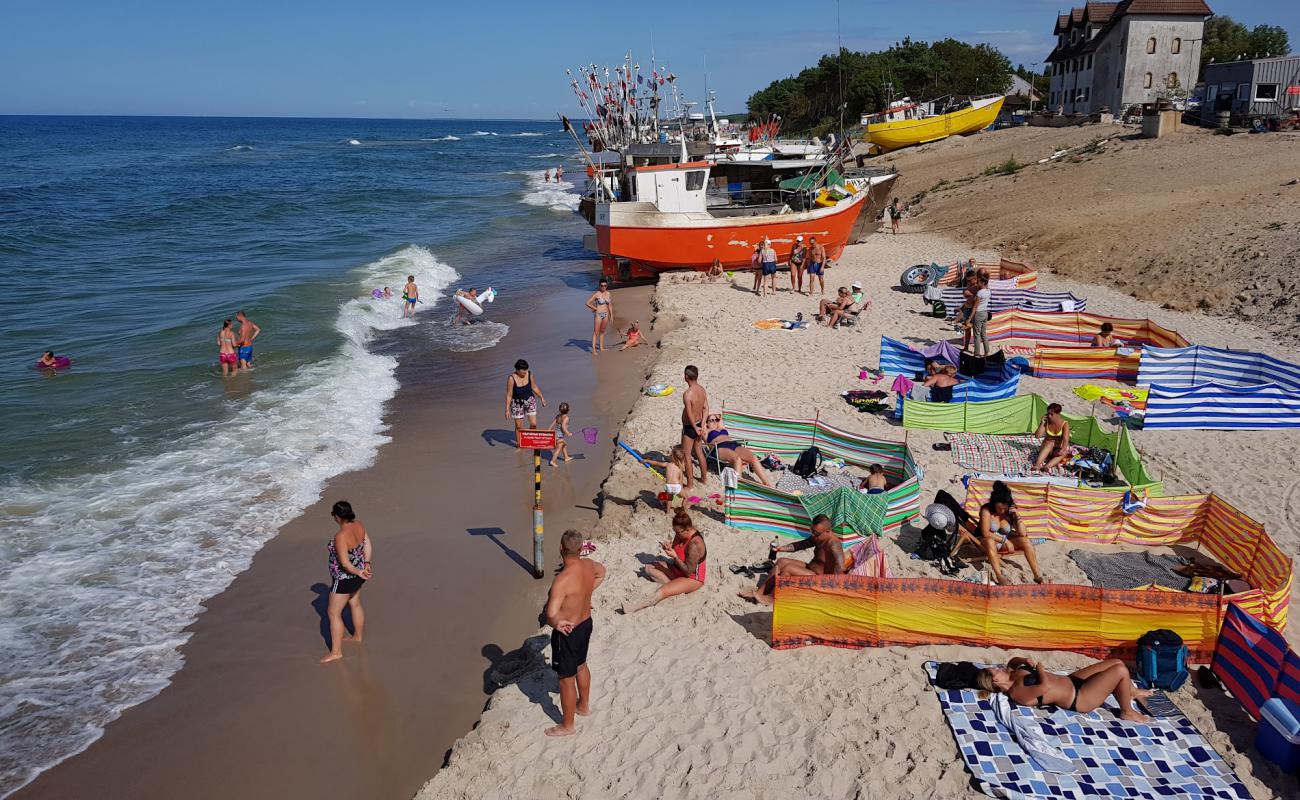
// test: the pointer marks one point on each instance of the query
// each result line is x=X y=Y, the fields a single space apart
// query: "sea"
x=137 y=483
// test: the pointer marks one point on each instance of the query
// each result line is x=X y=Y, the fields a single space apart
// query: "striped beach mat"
x=999 y=455
x=1166 y=757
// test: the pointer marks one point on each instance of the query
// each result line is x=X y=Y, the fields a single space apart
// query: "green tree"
x=1228 y=40
x=811 y=100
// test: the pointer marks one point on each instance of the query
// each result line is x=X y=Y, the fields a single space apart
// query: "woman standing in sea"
x=349 y=564
x=602 y=306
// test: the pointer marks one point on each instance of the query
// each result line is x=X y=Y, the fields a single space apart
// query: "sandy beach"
x=252 y=713
x=689 y=698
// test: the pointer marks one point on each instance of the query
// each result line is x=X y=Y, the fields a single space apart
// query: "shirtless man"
x=568 y=612
x=410 y=296
x=248 y=331
x=828 y=559
x=816 y=265
x=695 y=407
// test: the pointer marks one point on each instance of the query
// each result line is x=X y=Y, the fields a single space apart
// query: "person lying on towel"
x=828 y=559
x=1029 y=684
x=1002 y=533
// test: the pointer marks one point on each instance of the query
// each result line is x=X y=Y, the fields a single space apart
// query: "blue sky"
x=459 y=59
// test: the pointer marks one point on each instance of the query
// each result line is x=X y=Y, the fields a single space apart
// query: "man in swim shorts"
x=695 y=407
x=568 y=612
x=248 y=331
x=462 y=313
x=828 y=559
x=816 y=265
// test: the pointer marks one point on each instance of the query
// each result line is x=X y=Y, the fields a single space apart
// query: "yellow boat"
x=904 y=124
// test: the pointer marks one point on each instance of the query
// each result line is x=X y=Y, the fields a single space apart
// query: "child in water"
x=674 y=476
x=633 y=336
x=561 y=428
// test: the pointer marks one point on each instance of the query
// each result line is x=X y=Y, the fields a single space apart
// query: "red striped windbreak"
x=1248 y=658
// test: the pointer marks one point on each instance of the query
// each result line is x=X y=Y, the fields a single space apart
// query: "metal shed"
x=1259 y=88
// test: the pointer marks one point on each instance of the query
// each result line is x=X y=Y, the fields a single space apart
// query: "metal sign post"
x=537 y=440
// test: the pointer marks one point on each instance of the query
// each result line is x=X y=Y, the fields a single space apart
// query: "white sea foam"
x=549 y=155
x=103 y=572
x=240 y=148
x=558 y=196
x=353 y=142
x=527 y=133
x=484 y=133
x=447 y=138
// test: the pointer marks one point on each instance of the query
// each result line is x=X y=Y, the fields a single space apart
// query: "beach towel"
x=849 y=509
x=1130 y=570
x=1164 y=758
x=780 y=325
x=1009 y=456
x=869 y=560
x=1041 y=750
x=790 y=483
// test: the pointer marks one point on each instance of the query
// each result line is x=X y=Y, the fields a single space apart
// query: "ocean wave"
x=447 y=138
x=484 y=133
x=527 y=133
x=239 y=148
x=105 y=571
x=549 y=155
x=352 y=142
x=467 y=338
x=558 y=196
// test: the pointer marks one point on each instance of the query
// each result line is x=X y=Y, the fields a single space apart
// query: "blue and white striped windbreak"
x=1202 y=387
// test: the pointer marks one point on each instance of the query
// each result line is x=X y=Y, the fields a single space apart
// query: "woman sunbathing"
x=1084 y=690
x=1002 y=533
x=1056 y=439
x=733 y=452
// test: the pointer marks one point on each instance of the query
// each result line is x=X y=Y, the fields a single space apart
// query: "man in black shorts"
x=568 y=612
x=695 y=407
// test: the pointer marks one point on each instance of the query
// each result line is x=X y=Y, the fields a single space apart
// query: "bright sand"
x=689 y=699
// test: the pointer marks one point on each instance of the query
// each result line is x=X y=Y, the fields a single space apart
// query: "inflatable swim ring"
x=476 y=308
x=659 y=390
x=60 y=362
x=378 y=294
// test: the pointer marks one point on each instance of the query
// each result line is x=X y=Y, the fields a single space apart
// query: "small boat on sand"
x=905 y=123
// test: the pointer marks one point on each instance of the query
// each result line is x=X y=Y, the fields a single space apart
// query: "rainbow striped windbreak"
x=1025 y=276
x=853 y=611
x=1059 y=342
x=1254 y=662
x=1206 y=521
x=1020 y=415
x=756 y=507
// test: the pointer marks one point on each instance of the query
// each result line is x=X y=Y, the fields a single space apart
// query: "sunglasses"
x=714 y=419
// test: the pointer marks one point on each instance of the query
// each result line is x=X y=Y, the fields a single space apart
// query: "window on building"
x=695 y=180
x=1146 y=81
x=1151 y=45
x=1177 y=46
x=1089 y=62
x=1243 y=91
x=1266 y=93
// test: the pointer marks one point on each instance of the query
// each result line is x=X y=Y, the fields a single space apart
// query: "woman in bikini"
x=731 y=451
x=522 y=394
x=1084 y=690
x=1002 y=533
x=682 y=572
x=1056 y=439
x=226 y=350
x=348 y=573
x=602 y=307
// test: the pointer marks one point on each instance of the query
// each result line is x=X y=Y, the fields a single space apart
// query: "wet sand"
x=448 y=504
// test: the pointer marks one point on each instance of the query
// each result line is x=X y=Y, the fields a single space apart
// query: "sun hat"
x=799 y=238
x=856 y=284
x=940 y=516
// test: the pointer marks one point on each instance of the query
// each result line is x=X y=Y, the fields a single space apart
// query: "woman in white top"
x=979 y=318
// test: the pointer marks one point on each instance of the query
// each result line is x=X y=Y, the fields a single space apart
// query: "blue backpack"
x=1162 y=660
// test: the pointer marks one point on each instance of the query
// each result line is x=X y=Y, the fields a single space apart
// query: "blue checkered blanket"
x=1165 y=758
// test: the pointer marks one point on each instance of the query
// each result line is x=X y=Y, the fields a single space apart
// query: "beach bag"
x=959 y=675
x=1162 y=660
x=808 y=463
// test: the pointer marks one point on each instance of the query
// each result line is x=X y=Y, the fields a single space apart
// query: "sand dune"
x=690 y=701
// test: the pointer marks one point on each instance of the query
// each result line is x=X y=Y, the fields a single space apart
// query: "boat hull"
x=651 y=241
x=908 y=132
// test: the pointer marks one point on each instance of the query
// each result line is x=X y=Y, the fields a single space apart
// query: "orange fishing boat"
x=677 y=219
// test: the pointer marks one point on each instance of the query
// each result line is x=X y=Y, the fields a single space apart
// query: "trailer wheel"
x=915 y=278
